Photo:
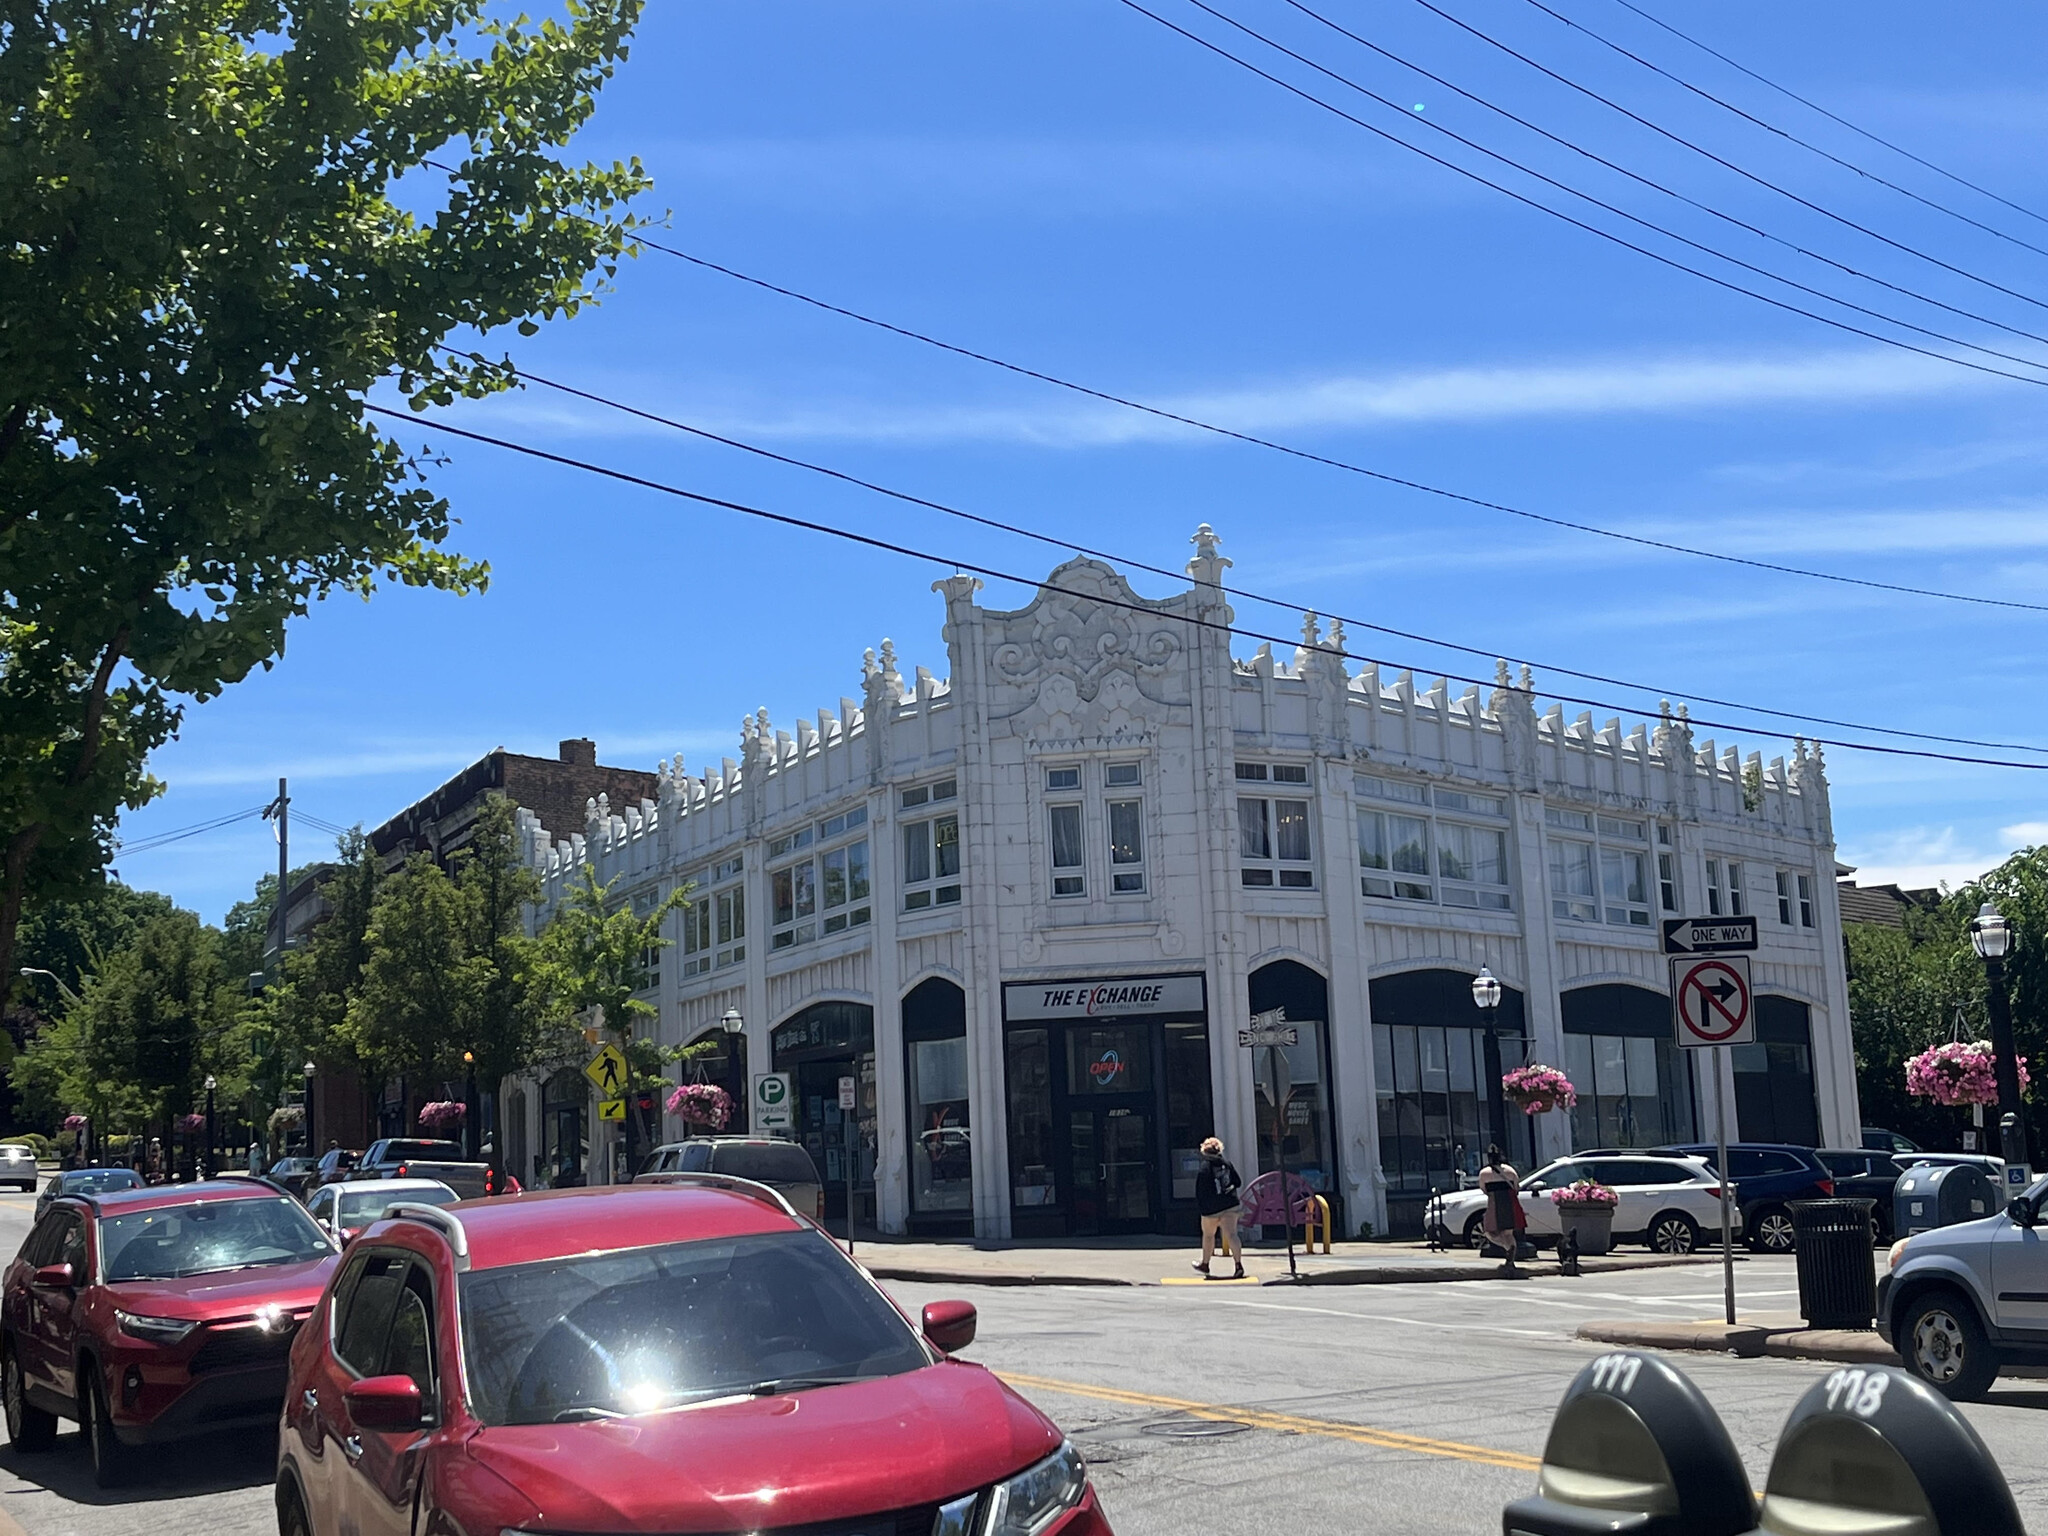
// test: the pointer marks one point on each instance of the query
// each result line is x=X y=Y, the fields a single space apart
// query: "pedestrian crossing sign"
x=611 y=1109
x=607 y=1069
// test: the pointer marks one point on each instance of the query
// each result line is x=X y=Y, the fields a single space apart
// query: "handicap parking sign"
x=2017 y=1177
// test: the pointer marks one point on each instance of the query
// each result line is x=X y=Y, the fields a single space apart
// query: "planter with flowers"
x=1960 y=1072
x=705 y=1106
x=1587 y=1209
x=1535 y=1089
x=442 y=1117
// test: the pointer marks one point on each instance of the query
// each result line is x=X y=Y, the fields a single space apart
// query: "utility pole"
x=280 y=811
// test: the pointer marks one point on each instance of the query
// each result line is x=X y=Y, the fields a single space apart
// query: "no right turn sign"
x=1710 y=1001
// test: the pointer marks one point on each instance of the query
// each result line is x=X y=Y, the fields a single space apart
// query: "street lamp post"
x=1991 y=936
x=311 y=1071
x=206 y=1170
x=469 y=1106
x=1486 y=992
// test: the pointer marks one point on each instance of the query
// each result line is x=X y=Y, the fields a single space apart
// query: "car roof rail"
x=447 y=1223
x=766 y=1193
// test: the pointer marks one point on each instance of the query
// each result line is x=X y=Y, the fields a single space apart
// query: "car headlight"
x=157 y=1330
x=1893 y=1254
x=1026 y=1504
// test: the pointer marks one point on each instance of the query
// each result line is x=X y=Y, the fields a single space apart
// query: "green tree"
x=420 y=985
x=225 y=224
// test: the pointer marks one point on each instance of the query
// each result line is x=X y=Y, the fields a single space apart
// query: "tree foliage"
x=596 y=951
x=226 y=221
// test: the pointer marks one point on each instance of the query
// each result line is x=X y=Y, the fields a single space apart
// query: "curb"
x=987 y=1277
x=1749 y=1341
x=1400 y=1275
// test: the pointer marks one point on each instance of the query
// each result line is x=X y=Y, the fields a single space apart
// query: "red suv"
x=650 y=1358
x=153 y=1314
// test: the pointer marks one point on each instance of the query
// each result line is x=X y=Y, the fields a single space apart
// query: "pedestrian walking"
x=1503 y=1219
x=1217 y=1191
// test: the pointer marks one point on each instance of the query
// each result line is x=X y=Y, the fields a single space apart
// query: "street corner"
x=1742 y=1339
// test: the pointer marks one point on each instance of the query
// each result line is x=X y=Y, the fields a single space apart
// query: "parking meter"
x=1872 y=1451
x=1635 y=1448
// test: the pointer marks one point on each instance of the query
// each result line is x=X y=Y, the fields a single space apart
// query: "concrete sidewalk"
x=1169 y=1261
x=1780 y=1334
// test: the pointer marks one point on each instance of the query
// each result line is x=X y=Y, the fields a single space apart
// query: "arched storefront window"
x=1298 y=1109
x=1432 y=1091
x=565 y=1140
x=935 y=1081
x=721 y=1060
x=819 y=1046
x=1635 y=1087
x=1774 y=1089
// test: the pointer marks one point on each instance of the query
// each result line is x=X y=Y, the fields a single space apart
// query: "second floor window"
x=1601 y=875
x=1725 y=894
x=715 y=921
x=931 y=847
x=1274 y=843
x=824 y=892
x=1795 y=895
x=1394 y=845
x=1069 y=875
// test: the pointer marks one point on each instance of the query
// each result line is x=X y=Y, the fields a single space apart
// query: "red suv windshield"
x=206 y=1237
x=624 y=1333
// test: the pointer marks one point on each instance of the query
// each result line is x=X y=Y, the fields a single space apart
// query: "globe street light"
x=733 y=1023
x=1486 y=993
x=206 y=1171
x=469 y=1105
x=1991 y=937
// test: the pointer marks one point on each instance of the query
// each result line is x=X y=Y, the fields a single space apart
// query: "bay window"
x=1396 y=845
x=1601 y=875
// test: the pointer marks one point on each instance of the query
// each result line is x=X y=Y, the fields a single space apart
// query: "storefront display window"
x=1635 y=1089
x=1188 y=1113
x=935 y=1076
x=1301 y=1104
x=1031 y=1144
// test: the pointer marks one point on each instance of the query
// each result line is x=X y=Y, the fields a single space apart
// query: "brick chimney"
x=580 y=750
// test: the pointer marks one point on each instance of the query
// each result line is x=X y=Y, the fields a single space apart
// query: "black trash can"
x=1831 y=1240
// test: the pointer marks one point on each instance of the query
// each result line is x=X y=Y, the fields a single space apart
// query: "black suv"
x=1768 y=1176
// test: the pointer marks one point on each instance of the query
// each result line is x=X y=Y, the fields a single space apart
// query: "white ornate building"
x=1028 y=907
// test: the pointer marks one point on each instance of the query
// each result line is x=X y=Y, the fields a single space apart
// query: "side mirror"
x=2021 y=1210
x=53 y=1277
x=385 y=1402
x=949 y=1324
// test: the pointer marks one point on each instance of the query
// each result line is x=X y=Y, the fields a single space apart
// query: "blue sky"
x=1067 y=184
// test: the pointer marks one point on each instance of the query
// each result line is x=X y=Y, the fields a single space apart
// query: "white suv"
x=1672 y=1204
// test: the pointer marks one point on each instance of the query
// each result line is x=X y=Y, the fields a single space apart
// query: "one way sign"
x=1708 y=935
x=1710 y=1001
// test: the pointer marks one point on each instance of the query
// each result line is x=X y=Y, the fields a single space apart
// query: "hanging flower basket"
x=704 y=1104
x=443 y=1115
x=76 y=1122
x=1960 y=1072
x=190 y=1123
x=1536 y=1089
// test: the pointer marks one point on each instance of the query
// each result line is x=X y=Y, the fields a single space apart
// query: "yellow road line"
x=1286 y=1423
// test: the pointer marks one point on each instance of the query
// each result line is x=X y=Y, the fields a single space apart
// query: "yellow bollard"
x=1318 y=1215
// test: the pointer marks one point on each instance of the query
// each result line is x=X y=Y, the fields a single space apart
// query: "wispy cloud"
x=318 y=766
x=1917 y=857
x=1592 y=387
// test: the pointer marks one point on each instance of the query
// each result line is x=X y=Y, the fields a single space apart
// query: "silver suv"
x=1961 y=1303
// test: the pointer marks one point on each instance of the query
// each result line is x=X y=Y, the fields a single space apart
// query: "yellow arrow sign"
x=607 y=1069
x=611 y=1109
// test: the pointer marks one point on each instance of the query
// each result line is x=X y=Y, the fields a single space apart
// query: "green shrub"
x=44 y=1150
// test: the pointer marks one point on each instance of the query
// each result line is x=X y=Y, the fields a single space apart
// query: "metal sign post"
x=848 y=1097
x=1712 y=1010
x=1271 y=1030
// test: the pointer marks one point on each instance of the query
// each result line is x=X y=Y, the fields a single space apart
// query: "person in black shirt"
x=1217 y=1191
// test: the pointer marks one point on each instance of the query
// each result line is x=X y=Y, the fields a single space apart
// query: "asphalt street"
x=1353 y=1411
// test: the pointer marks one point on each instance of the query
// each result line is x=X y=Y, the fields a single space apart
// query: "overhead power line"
x=1246 y=593
x=165 y=839
x=890 y=546
x=1814 y=106
x=1679 y=139
x=1181 y=419
x=1704 y=249
x=1772 y=128
x=1654 y=185
x=1577 y=223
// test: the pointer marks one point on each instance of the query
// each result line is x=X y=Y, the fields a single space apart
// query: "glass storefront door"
x=1110 y=1170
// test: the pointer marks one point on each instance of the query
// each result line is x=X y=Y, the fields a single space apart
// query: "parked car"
x=1768 y=1176
x=153 y=1314
x=86 y=1181
x=422 y=1158
x=801 y=1376
x=336 y=1164
x=1863 y=1174
x=18 y=1167
x=781 y=1165
x=346 y=1208
x=1877 y=1139
x=1962 y=1303
x=292 y=1173
x=1668 y=1203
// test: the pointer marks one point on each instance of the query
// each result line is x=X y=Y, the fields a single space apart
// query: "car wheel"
x=112 y=1462
x=29 y=1428
x=1673 y=1232
x=1474 y=1237
x=1770 y=1231
x=291 y=1513
x=1944 y=1345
